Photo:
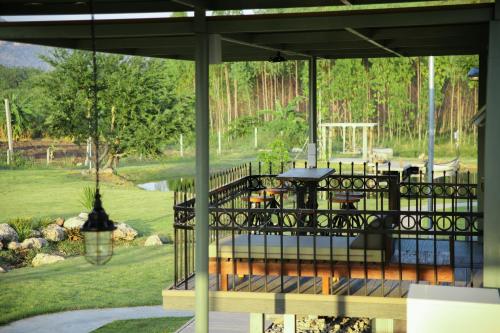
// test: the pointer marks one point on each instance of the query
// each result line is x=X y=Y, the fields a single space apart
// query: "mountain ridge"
x=23 y=55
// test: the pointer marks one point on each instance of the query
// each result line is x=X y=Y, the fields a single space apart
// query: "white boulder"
x=2 y=270
x=34 y=243
x=75 y=222
x=45 y=259
x=7 y=233
x=54 y=233
x=125 y=232
x=153 y=240
x=14 y=246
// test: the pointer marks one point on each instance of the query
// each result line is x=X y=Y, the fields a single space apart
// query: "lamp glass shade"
x=98 y=246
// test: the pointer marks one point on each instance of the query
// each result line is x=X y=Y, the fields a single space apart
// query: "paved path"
x=223 y=322
x=84 y=321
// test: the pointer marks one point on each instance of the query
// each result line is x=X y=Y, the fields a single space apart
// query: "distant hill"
x=22 y=55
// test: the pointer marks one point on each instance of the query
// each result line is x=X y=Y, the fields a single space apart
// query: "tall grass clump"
x=87 y=197
x=23 y=226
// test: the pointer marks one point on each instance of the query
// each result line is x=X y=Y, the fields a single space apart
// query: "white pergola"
x=326 y=133
x=340 y=33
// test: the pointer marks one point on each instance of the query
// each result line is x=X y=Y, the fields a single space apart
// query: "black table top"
x=306 y=174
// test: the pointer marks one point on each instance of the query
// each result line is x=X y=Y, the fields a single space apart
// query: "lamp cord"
x=94 y=90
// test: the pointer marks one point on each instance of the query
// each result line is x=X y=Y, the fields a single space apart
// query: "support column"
x=483 y=74
x=491 y=275
x=202 y=173
x=313 y=115
x=289 y=323
x=257 y=323
x=354 y=139
x=430 y=159
x=324 y=150
x=343 y=139
x=382 y=325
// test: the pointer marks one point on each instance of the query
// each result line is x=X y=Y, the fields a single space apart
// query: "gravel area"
x=313 y=324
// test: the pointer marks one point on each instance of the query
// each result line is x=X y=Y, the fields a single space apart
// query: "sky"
x=98 y=17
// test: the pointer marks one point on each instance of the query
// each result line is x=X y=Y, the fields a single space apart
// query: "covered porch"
x=270 y=254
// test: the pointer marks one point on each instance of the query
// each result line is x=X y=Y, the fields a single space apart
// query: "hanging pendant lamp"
x=98 y=229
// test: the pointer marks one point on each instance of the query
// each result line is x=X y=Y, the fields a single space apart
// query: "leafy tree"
x=138 y=110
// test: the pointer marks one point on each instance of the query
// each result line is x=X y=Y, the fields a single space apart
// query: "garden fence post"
x=10 y=151
x=219 y=143
x=181 y=142
x=255 y=137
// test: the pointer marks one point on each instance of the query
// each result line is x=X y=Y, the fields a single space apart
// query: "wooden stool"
x=255 y=202
x=347 y=201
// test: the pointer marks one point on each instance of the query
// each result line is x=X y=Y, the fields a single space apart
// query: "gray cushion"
x=374 y=235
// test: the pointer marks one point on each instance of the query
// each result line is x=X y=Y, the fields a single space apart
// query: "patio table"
x=306 y=182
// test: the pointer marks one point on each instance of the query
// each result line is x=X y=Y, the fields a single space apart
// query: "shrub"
x=275 y=156
x=18 y=161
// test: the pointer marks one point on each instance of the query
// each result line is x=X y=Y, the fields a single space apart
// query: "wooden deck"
x=357 y=285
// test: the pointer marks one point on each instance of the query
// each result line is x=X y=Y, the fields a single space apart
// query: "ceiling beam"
x=192 y=4
x=373 y=42
x=286 y=51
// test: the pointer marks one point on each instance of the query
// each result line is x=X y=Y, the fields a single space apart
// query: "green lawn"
x=149 y=325
x=56 y=192
x=134 y=276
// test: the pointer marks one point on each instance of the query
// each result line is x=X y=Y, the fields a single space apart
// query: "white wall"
x=443 y=309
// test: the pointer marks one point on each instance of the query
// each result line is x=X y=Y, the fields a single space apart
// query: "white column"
x=365 y=143
x=313 y=116
x=430 y=160
x=289 y=323
x=202 y=173
x=382 y=325
x=343 y=139
x=353 y=139
x=257 y=322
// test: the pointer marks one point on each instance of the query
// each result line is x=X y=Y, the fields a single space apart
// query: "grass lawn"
x=56 y=192
x=134 y=276
x=149 y=325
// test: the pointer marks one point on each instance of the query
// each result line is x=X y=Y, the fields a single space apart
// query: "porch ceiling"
x=422 y=31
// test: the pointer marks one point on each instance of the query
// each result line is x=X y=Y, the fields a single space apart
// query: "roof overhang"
x=418 y=31
x=66 y=7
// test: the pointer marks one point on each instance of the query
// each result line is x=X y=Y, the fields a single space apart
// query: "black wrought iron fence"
x=370 y=232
